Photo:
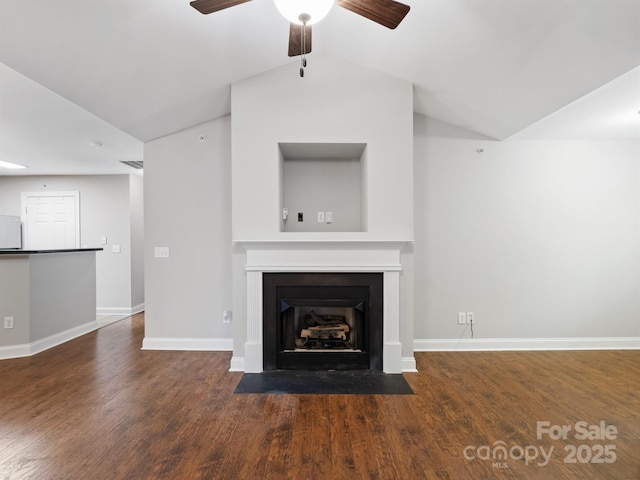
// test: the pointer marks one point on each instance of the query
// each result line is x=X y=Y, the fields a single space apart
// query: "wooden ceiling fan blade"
x=295 y=40
x=388 y=13
x=210 y=6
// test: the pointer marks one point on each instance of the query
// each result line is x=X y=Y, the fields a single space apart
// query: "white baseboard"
x=105 y=321
x=128 y=311
x=188 y=344
x=137 y=308
x=497 y=344
x=409 y=364
x=15 y=351
x=237 y=364
x=26 y=350
x=59 y=338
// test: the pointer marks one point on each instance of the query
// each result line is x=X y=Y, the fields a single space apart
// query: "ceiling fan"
x=304 y=13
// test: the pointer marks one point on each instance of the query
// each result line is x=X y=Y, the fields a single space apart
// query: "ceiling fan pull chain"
x=304 y=44
x=304 y=18
x=302 y=48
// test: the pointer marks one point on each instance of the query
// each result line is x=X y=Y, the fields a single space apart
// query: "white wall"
x=136 y=207
x=104 y=211
x=15 y=299
x=323 y=185
x=540 y=239
x=50 y=297
x=336 y=102
x=59 y=293
x=187 y=208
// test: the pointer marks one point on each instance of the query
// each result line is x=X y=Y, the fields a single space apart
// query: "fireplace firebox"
x=322 y=321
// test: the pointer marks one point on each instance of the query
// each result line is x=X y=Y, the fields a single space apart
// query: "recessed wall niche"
x=323 y=187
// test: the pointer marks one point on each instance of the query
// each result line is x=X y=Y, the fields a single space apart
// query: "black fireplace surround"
x=326 y=302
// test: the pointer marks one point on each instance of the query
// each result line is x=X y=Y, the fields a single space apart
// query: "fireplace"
x=323 y=321
x=313 y=259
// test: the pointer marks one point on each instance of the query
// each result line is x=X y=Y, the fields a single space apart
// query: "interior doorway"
x=50 y=220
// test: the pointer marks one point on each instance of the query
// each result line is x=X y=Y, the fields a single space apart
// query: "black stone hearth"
x=323 y=382
x=322 y=321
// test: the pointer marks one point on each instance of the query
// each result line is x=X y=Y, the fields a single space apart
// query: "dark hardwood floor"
x=100 y=408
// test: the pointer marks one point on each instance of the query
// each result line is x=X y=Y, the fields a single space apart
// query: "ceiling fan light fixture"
x=313 y=10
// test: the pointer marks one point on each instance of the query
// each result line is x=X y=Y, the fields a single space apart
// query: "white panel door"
x=51 y=221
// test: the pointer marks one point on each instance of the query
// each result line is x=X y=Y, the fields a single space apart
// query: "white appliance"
x=10 y=232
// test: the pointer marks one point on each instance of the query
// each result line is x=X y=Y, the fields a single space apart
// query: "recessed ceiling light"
x=11 y=165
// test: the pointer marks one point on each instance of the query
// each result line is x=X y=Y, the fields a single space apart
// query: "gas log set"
x=323 y=332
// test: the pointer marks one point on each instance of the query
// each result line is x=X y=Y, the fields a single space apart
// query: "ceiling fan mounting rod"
x=304 y=18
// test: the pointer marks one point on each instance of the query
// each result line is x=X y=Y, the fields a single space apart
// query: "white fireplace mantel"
x=338 y=256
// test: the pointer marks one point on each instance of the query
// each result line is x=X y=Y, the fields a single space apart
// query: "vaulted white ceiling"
x=124 y=72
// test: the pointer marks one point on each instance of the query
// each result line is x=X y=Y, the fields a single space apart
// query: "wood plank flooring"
x=100 y=408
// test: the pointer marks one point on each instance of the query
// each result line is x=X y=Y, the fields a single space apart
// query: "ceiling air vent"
x=134 y=164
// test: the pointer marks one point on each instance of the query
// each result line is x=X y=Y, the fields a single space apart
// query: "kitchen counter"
x=18 y=251
x=48 y=295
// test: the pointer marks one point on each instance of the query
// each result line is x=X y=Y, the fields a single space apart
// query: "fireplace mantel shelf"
x=324 y=241
x=311 y=267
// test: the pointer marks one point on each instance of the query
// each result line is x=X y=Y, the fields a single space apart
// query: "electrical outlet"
x=8 y=322
x=226 y=316
x=161 y=252
x=462 y=318
x=471 y=317
x=329 y=217
x=320 y=217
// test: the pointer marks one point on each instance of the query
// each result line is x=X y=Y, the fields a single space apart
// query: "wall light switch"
x=462 y=318
x=328 y=217
x=320 y=217
x=103 y=240
x=162 y=252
